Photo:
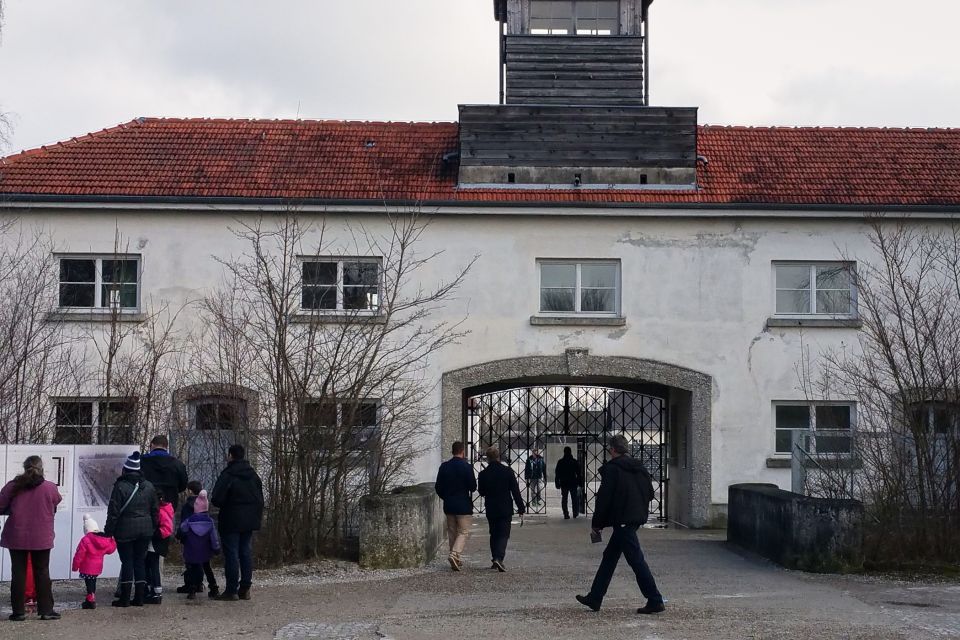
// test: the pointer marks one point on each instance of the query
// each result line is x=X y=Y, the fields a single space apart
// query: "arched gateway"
x=653 y=396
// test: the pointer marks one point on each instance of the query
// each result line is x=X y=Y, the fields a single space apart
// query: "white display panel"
x=84 y=475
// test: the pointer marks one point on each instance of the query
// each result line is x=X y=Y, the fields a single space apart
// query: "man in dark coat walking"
x=498 y=484
x=167 y=474
x=239 y=495
x=623 y=503
x=568 y=479
x=455 y=483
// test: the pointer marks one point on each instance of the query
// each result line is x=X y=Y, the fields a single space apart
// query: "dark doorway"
x=549 y=417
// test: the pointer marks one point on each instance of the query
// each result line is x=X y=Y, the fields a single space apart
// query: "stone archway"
x=693 y=395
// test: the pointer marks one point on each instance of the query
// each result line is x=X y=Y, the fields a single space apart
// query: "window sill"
x=779 y=463
x=576 y=321
x=305 y=317
x=88 y=316
x=815 y=323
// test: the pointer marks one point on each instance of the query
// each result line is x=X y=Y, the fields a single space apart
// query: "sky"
x=68 y=67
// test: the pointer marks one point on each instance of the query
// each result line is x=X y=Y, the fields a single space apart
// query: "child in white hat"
x=88 y=559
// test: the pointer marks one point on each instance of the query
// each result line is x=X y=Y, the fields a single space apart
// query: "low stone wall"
x=796 y=531
x=402 y=529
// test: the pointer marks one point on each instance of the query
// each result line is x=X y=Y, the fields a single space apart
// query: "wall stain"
x=744 y=242
x=618 y=333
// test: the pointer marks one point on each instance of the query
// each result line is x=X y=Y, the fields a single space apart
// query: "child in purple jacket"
x=200 y=543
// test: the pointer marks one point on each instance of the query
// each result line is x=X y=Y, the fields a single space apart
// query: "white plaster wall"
x=696 y=293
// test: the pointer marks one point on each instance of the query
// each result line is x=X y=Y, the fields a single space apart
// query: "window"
x=829 y=425
x=815 y=289
x=939 y=418
x=580 y=17
x=340 y=285
x=353 y=424
x=589 y=287
x=97 y=283
x=219 y=414
x=75 y=420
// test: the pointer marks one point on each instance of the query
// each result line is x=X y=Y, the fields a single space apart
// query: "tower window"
x=580 y=17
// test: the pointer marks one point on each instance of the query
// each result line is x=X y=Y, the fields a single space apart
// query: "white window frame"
x=95 y=425
x=340 y=260
x=811 y=407
x=98 y=258
x=852 y=314
x=573 y=28
x=579 y=262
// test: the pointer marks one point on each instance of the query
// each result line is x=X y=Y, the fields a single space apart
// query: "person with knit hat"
x=132 y=517
x=200 y=543
x=88 y=559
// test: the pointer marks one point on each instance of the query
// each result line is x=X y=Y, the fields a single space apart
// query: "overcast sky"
x=72 y=66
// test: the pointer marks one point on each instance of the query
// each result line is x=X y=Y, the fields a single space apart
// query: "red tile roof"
x=331 y=160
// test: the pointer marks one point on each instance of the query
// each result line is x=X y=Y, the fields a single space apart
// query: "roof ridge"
x=804 y=128
x=155 y=119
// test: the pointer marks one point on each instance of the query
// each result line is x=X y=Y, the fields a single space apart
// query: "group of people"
x=140 y=526
x=622 y=505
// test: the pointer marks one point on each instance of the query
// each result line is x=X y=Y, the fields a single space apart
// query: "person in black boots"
x=132 y=517
x=167 y=474
x=568 y=479
x=239 y=495
x=498 y=484
x=623 y=503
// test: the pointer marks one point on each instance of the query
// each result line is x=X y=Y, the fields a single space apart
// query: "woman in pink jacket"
x=30 y=502
x=88 y=560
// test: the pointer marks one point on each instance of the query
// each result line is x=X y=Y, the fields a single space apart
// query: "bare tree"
x=905 y=377
x=340 y=370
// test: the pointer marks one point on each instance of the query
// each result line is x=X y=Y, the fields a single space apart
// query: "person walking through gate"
x=498 y=484
x=455 y=483
x=623 y=503
x=239 y=495
x=567 y=478
x=535 y=473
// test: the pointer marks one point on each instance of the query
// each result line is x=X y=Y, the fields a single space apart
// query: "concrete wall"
x=796 y=531
x=401 y=529
x=697 y=293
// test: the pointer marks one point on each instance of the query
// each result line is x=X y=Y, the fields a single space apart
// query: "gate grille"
x=517 y=421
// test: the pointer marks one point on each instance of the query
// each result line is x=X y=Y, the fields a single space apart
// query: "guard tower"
x=573 y=112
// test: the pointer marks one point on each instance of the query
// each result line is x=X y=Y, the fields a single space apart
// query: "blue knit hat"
x=133 y=462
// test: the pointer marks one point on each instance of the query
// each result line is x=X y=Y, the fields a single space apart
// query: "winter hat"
x=201 y=505
x=89 y=524
x=133 y=462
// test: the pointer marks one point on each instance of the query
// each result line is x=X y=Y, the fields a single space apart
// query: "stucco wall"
x=696 y=295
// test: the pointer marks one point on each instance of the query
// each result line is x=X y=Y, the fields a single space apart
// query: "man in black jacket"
x=455 y=483
x=568 y=479
x=498 y=484
x=239 y=495
x=623 y=503
x=164 y=471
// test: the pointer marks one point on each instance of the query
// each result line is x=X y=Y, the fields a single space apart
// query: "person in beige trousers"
x=455 y=484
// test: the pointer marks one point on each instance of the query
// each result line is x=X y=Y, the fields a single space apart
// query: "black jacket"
x=567 y=474
x=625 y=492
x=239 y=495
x=455 y=483
x=498 y=484
x=166 y=473
x=185 y=512
x=139 y=519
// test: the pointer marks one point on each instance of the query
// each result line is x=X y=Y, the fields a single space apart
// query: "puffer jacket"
x=88 y=559
x=140 y=518
x=624 y=496
x=200 y=540
x=162 y=536
x=239 y=496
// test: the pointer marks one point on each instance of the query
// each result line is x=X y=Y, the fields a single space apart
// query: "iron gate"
x=517 y=421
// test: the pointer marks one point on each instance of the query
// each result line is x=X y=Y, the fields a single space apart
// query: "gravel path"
x=713 y=593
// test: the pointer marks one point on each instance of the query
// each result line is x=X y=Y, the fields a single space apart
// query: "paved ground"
x=713 y=593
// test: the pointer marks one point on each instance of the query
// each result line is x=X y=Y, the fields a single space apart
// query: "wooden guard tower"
x=573 y=112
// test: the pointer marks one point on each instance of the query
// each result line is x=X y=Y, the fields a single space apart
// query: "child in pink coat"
x=88 y=559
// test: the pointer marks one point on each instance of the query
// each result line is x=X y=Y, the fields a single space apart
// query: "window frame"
x=98 y=282
x=578 y=289
x=573 y=27
x=322 y=435
x=239 y=405
x=340 y=260
x=97 y=431
x=811 y=406
x=812 y=265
